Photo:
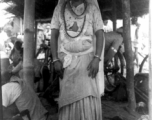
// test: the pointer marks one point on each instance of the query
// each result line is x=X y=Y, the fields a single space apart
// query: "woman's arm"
x=17 y=68
x=93 y=67
x=54 y=43
x=99 y=42
x=97 y=24
x=58 y=66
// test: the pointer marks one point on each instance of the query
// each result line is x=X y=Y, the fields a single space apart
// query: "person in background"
x=78 y=58
x=3 y=37
x=135 y=26
x=112 y=44
x=19 y=100
x=106 y=26
x=40 y=39
x=113 y=40
x=16 y=57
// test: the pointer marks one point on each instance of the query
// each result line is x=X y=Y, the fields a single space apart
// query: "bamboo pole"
x=36 y=23
x=1 y=106
x=114 y=15
x=129 y=55
x=29 y=41
x=150 y=60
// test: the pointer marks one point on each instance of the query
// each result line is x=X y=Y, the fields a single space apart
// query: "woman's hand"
x=93 y=67
x=10 y=68
x=58 y=66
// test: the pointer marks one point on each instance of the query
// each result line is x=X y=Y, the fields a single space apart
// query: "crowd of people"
x=78 y=41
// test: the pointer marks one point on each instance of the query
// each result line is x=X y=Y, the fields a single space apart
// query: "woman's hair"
x=18 y=46
x=17 y=53
x=134 y=20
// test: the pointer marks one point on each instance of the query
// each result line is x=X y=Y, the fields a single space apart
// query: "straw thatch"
x=44 y=8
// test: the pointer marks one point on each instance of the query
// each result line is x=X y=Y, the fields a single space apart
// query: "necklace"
x=66 y=24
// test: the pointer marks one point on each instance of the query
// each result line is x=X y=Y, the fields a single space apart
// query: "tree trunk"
x=129 y=55
x=150 y=60
x=1 y=106
x=36 y=23
x=29 y=41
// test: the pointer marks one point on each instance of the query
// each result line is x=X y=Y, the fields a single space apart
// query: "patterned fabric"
x=95 y=20
x=78 y=91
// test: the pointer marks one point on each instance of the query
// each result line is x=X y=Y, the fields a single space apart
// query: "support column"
x=36 y=23
x=1 y=107
x=114 y=15
x=29 y=41
x=129 y=55
x=150 y=60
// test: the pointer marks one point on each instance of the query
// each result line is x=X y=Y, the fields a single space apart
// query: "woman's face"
x=105 y=22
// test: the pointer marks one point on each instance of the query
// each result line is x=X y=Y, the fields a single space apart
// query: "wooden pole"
x=36 y=23
x=114 y=15
x=150 y=60
x=29 y=41
x=129 y=55
x=1 y=106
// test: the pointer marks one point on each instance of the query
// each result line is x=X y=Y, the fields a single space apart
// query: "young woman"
x=77 y=44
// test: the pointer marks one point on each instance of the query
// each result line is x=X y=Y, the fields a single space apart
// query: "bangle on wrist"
x=112 y=48
x=55 y=60
x=96 y=56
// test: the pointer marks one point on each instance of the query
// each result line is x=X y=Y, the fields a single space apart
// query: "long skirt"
x=88 y=108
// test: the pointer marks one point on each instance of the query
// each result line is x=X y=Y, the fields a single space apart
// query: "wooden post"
x=114 y=15
x=36 y=23
x=29 y=41
x=150 y=60
x=129 y=55
x=21 y=26
x=1 y=107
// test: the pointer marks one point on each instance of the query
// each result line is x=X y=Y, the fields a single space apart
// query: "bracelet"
x=55 y=60
x=96 y=56
x=112 y=48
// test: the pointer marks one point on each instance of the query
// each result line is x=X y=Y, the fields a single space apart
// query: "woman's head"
x=134 y=20
x=18 y=46
x=17 y=52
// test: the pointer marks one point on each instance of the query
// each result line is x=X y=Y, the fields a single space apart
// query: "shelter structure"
x=113 y=9
x=44 y=8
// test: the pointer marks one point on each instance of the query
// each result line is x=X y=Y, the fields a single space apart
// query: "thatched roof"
x=44 y=8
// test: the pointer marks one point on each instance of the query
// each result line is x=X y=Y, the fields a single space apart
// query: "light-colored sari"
x=79 y=94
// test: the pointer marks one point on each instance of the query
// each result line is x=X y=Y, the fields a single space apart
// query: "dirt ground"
x=110 y=109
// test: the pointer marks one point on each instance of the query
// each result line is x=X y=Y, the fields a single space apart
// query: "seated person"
x=113 y=40
x=17 y=92
x=17 y=59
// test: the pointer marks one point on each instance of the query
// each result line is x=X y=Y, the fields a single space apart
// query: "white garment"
x=3 y=37
x=10 y=92
x=133 y=31
x=3 y=55
x=24 y=97
x=92 y=24
x=107 y=28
